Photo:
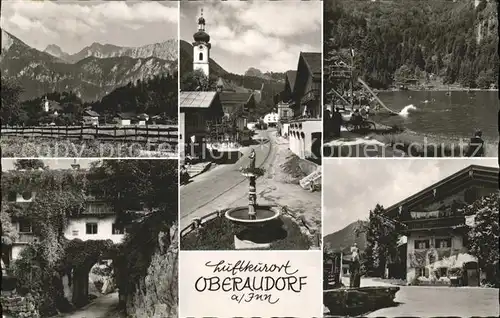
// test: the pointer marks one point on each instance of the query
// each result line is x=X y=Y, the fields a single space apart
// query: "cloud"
x=264 y=34
x=84 y=17
x=251 y=43
x=286 y=59
x=283 y=18
x=354 y=186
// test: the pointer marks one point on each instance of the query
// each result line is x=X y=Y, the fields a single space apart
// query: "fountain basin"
x=358 y=301
x=263 y=214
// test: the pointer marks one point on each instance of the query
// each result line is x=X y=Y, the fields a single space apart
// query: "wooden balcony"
x=435 y=223
x=26 y=238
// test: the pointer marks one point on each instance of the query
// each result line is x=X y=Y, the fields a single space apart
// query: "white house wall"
x=77 y=229
x=302 y=147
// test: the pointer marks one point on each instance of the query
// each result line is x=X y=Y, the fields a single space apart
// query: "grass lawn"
x=48 y=147
x=218 y=234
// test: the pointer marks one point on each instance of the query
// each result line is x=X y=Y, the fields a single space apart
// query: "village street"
x=432 y=301
x=224 y=186
x=102 y=307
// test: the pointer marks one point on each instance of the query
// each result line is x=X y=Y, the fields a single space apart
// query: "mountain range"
x=166 y=51
x=343 y=239
x=91 y=73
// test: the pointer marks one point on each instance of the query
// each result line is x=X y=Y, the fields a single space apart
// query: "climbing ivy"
x=46 y=180
x=59 y=195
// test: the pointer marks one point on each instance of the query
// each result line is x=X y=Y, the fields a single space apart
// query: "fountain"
x=258 y=222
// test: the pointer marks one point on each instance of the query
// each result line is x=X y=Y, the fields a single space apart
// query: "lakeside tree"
x=484 y=235
x=452 y=40
x=382 y=236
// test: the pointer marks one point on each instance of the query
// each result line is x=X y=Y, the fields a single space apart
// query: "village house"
x=96 y=222
x=304 y=98
x=436 y=228
x=283 y=100
x=271 y=119
x=90 y=117
x=126 y=118
x=196 y=110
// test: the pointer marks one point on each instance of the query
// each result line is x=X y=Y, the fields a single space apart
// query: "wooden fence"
x=132 y=133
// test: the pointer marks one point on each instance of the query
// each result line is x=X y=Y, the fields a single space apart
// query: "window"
x=443 y=243
x=97 y=208
x=442 y=271
x=91 y=228
x=25 y=227
x=118 y=229
x=421 y=244
x=12 y=196
x=420 y=272
x=200 y=57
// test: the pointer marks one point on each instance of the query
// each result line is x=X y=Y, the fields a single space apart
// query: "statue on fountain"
x=355 y=279
x=252 y=195
x=251 y=166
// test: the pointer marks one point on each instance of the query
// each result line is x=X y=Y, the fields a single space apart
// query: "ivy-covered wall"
x=60 y=196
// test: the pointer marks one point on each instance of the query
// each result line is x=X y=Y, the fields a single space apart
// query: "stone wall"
x=157 y=294
x=19 y=307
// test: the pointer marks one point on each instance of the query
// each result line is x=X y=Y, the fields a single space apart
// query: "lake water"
x=436 y=113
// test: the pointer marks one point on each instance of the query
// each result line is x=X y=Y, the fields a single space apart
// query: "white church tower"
x=46 y=105
x=201 y=47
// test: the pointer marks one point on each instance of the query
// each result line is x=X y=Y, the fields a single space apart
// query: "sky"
x=8 y=164
x=267 y=35
x=352 y=187
x=73 y=25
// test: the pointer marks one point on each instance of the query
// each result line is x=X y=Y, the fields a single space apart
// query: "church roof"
x=313 y=62
x=196 y=99
x=451 y=184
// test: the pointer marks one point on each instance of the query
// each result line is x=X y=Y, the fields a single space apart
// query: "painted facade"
x=436 y=227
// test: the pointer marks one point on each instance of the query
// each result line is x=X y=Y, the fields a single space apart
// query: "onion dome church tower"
x=201 y=47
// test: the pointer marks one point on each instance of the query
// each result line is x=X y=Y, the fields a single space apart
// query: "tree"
x=144 y=192
x=382 y=236
x=9 y=233
x=29 y=164
x=484 y=234
x=131 y=186
x=402 y=73
x=196 y=81
x=11 y=107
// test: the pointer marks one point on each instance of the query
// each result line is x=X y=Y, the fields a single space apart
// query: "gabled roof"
x=313 y=62
x=126 y=115
x=91 y=113
x=290 y=77
x=196 y=99
x=235 y=98
x=455 y=182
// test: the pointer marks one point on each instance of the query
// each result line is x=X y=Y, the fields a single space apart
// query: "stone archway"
x=80 y=258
